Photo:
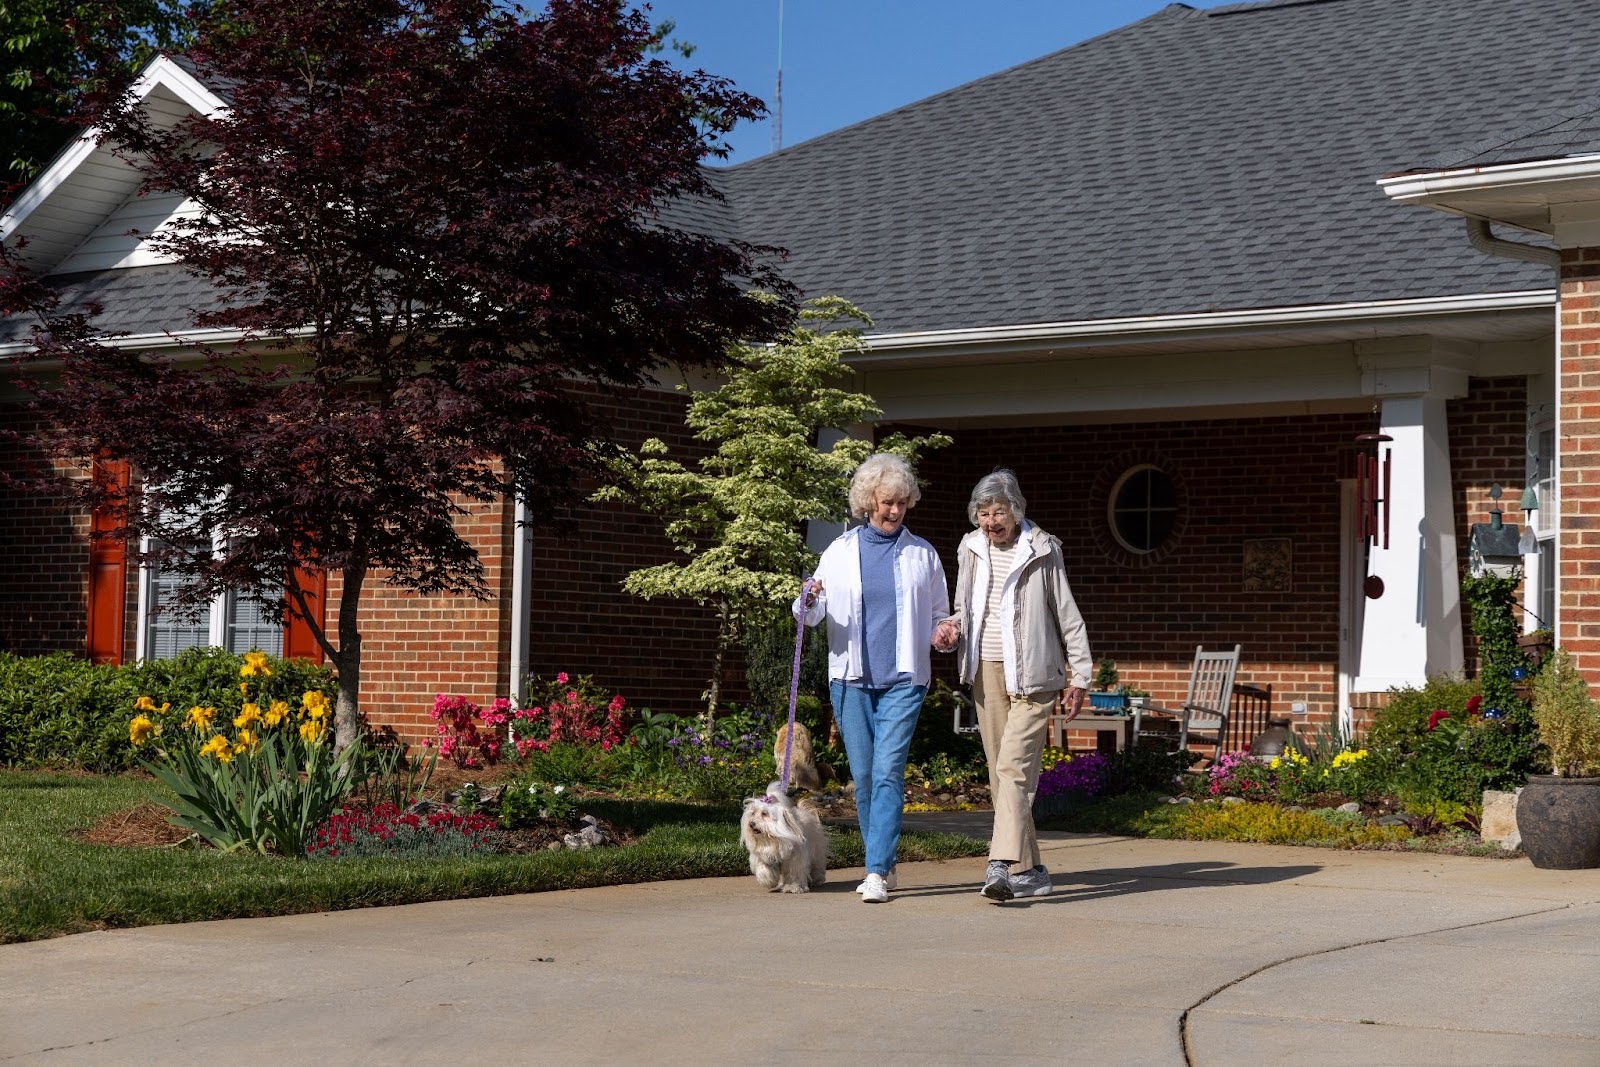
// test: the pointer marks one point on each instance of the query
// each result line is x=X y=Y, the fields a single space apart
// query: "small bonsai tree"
x=1568 y=718
x=1105 y=675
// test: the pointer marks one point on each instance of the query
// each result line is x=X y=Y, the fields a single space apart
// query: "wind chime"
x=1372 y=498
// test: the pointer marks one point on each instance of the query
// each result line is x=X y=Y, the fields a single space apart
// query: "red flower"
x=1438 y=716
x=1474 y=704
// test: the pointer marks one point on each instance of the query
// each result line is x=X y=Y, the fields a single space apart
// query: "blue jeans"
x=877 y=725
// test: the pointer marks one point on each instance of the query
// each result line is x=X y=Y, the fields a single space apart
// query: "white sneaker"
x=1033 y=882
x=889 y=882
x=874 y=890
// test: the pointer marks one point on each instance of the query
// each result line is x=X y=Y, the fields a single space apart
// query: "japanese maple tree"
x=432 y=222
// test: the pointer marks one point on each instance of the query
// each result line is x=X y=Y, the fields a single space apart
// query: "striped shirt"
x=1001 y=560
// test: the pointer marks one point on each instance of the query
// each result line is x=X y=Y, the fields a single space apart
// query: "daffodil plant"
x=263 y=780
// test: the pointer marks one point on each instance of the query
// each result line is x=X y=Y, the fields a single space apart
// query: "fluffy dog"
x=787 y=844
x=804 y=770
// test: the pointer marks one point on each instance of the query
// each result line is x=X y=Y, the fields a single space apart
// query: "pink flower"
x=1438 y=716
x=561 y=679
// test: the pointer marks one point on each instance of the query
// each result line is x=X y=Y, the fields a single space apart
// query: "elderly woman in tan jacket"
x=1022 y=647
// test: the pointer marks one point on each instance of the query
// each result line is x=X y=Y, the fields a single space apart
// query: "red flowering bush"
x=470 y=735
x=385 y=831
x=571 y=710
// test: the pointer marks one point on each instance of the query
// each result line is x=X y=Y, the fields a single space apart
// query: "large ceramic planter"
x=1559 y=820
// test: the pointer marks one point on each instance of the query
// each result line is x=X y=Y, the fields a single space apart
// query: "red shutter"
x=108 y=574
x=298 y=643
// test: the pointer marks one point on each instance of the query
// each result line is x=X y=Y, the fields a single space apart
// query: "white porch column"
x=1414 y=629
x=521 y=602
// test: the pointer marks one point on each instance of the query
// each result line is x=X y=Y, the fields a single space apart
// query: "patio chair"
x=1204 y=710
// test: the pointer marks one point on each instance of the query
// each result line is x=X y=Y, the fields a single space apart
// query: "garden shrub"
x=528 y=801
x=1402 y=724
x=936 y=733
x=61 y=711
x=769 y=664
x=1146 y=768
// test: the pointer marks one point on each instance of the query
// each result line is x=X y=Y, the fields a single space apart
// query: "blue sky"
x=847 y=60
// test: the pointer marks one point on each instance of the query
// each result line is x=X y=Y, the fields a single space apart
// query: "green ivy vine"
x=1492 y=600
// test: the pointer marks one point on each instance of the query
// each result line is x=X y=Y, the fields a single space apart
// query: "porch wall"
x=1241 y=480
x=1578 y=464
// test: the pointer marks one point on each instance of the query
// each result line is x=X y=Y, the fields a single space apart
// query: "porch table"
x=1119 y=725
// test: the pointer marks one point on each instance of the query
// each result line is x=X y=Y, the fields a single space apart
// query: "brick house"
x=1162 y=274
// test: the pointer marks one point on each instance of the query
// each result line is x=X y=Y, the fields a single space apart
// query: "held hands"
x=1071 y=702
x=812 y=592
x=945 y=636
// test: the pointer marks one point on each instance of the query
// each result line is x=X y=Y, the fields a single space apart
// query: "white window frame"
x=217 y=629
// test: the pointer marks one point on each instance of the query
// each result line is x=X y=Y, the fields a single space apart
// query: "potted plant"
x=1558 y=814
x=1107 y=694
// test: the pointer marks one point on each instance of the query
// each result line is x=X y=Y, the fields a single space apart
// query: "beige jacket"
x=1046 y=643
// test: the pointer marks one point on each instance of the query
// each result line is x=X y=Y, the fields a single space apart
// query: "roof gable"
x=72 y=215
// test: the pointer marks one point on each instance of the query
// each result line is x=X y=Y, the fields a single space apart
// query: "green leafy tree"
x=55 y=53
x=738 y=516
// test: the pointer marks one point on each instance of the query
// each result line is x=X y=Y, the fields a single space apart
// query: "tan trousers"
x=1013 y=728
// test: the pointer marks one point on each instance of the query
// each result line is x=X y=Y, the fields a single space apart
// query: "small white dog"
x=788 y=846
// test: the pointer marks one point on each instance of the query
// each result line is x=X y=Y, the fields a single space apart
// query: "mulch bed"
x=145 y=826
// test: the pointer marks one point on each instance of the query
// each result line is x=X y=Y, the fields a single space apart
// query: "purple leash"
x=794 y=684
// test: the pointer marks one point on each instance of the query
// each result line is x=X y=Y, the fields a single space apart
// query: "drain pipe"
x=1490 y=245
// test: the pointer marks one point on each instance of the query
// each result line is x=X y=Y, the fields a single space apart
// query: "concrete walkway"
x=1149 y=952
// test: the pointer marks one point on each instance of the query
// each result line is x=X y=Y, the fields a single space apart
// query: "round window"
x=1143 y=509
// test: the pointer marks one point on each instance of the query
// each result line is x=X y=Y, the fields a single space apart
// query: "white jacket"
x=1046 y=646
x=919 y=585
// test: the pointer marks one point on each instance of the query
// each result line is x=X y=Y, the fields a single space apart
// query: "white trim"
x=172 y=339
x=160 y=71
x=521 y=602
x=1108 y=329
x=1482 y=179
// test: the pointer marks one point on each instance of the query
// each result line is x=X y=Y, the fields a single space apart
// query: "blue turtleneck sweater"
x=881 y=607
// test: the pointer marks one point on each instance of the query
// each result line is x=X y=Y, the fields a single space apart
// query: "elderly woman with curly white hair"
x=882 y=591
x=1023 y=646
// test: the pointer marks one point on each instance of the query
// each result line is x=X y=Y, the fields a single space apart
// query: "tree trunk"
x=714 y=691
x=347 y=662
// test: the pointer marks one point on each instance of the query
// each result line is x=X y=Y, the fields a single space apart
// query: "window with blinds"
x=167 y=634
x=248 y=629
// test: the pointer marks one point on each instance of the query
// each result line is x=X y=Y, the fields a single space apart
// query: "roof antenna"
x=777 y=111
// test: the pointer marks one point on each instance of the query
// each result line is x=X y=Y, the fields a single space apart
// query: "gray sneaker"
x=997 y=882
x=1033 y=882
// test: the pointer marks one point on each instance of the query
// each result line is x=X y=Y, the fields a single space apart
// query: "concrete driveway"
x=1148 y=952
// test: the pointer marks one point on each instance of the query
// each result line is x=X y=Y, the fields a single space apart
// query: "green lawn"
x=52 y=884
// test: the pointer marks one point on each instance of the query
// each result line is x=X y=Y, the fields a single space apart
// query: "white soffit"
x=86 y=184
x=1517 y=194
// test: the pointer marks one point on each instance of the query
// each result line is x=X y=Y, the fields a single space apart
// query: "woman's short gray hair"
x=999 y=487
x=881 y=472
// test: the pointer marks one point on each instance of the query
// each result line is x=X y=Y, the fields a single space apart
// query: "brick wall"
x=1488 y=444
x=657 y=653
x=44 y=560
x=1238 y=480
x=1578 y=432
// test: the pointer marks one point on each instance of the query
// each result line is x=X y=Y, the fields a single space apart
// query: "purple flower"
x=1084 y=775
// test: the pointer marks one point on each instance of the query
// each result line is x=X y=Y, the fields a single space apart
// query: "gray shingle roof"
x=1574 y=132
x=135 y=300
x=1195 y=160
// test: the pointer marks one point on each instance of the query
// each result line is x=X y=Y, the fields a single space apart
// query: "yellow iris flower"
x=218 y=747
x=255 y=663
x=200 y=718
x=315 y=703
x=276 y=713
x=141 y=729
x=311 y=731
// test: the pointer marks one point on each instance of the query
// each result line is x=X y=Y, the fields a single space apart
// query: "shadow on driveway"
x=1074 y=886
